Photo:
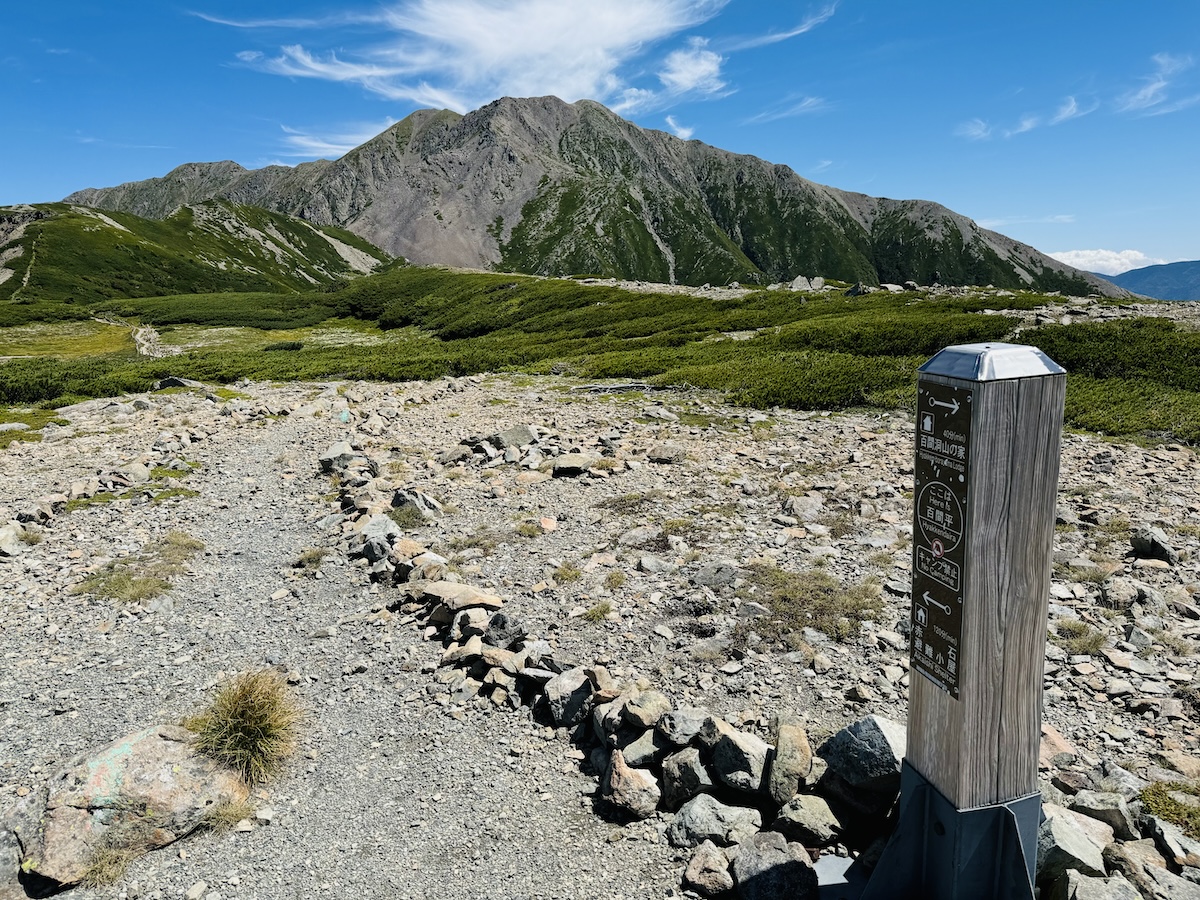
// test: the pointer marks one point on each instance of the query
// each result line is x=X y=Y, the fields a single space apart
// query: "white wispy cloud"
x=1007 y=221
x=693 y=68
x=463 y=53
x=821 y=166
x=1072 y=109
x=330 y=21
x=974 y=130
x=681 y=131
x=1027 y=123
x=808 y=24
x=1106 y=262
x=120 y=145
x=792 y=106
x=1153 y=97
x=307 y=144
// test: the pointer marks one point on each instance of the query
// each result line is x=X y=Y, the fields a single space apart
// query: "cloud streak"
x=307 y=144
x=1152 y=97
x=793 y=106
x=807 y=25
x=681 y=131
x=1005 y=222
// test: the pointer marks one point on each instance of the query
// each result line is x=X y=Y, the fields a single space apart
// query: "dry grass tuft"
x=223 y=816
x=1077 y=638
x=598 y=613
x=252 y=725
x=129 y=837
x=146 y=574
x=812 y=599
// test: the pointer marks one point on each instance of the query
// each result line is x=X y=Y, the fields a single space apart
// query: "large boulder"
x=1062 y=845
x=634 y=791
x=705 y=818
x=740 y=760
x=684 y=776
x=867 y=754
x=708 y=872
x=149 y=784
x=570 y=697
x=792 y=764
x=767 y=867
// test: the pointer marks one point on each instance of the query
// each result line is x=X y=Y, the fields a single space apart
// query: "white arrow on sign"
x=942 y=606
x=952 y=405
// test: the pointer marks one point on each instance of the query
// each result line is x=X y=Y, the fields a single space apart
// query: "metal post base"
x=939 y=852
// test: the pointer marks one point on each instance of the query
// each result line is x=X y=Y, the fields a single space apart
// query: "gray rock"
x=867 y=753
x=679 y=726
x=1169 y=886
x=644 y=709
x=704 y=818
x=1075 y=886
x=767 y=867
x=516 y=436
x=684 y=776
x=1177 y=847
x=427 y=506
x=336 y=458
x=792 y=763
x=633 y=790
x=571 y=465
x=1063 y=845
x=1151 y=543
x=708 y=871
x=646 y=748
x=800 y=283
x=570 y=697
x=808 y=819
x=717 y=575
x=740 y=760
x=667 y=453
x=805 y=508
x=1110 y=808
x=503 y=631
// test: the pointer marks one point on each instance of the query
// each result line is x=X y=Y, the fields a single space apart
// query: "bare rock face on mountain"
x=542 y=186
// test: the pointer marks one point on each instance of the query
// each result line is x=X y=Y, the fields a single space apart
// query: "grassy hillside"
x=73 y=256
x=817 y=351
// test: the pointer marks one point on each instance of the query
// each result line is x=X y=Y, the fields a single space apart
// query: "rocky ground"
x=631 y=562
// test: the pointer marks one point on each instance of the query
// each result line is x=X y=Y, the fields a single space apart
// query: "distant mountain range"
x=546 y=187
x=1172 y=281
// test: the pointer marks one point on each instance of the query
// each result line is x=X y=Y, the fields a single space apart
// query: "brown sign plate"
x=939 y=531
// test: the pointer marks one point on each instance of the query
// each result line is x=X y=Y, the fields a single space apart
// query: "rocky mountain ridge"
x=541 y=186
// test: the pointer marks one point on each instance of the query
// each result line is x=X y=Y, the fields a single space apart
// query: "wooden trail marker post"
x=989 y=430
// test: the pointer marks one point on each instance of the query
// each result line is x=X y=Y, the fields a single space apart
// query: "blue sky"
x=1070 y=125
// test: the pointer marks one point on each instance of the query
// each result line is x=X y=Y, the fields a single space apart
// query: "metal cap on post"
x=988 y=435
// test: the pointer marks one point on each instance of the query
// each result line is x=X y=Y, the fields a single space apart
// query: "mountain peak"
x=543 y=186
